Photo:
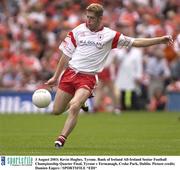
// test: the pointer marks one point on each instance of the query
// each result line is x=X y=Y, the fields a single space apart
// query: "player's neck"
x=99 y=28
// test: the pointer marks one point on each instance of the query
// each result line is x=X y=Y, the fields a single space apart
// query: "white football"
x=41 y=98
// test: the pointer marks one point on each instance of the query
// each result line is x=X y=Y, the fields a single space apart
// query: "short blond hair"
x=96 y=8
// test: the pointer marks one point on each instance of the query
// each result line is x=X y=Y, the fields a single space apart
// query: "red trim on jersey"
x=115 y=40
x=73 y=39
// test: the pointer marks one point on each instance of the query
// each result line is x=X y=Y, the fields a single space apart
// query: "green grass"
x=131 y=133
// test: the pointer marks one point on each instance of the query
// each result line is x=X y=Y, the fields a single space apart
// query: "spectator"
x=129 y=76
x=158 y=101
x=175 y=66
x=39 y=26
x=158 y=70
x=174 y=86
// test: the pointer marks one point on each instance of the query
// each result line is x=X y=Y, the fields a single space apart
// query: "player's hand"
x=167 y=39
x=51 y=82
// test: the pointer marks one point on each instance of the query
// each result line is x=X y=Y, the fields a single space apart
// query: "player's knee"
x=74 y=108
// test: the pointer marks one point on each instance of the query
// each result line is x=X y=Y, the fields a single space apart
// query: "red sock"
x=62 y=139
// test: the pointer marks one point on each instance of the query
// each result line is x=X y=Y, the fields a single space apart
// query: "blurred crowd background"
x=31 y=31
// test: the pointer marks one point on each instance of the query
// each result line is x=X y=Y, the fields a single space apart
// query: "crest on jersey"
x=100 y=36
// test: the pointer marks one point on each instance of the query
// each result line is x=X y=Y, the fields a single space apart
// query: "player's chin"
x=90 y=26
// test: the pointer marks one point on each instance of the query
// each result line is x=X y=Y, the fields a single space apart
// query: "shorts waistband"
x=82 y=72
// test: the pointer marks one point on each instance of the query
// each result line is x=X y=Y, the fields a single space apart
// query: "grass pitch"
x=131 y=133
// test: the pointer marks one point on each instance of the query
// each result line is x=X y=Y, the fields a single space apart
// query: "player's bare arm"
x=145 y=42
x=63 y=62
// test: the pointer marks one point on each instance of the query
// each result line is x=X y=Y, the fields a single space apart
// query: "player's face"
x=92 y=21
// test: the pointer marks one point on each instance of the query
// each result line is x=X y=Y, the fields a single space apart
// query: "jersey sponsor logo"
x=97 y=44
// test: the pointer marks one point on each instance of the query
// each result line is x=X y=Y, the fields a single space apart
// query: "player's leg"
x=75 y=104
x=80 y=97
x=99 y=96
x=112 y=95
x=61 y=101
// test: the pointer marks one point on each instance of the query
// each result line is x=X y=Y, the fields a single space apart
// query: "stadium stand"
x=31 y=31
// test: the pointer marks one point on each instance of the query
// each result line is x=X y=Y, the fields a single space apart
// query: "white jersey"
x=88 y=50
